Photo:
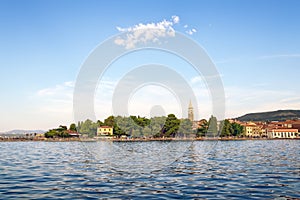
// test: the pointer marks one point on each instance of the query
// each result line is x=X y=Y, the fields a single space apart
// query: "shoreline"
x=134 y=139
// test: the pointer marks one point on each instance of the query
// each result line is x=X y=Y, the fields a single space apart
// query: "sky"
x=255 y=46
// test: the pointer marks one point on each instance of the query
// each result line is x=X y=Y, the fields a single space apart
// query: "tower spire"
x=191 y=112
x=190 y=105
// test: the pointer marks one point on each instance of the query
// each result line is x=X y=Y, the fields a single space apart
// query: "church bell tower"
x=191 y=112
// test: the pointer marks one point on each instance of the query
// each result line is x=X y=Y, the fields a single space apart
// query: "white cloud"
x=280 y=56
x=48 y=108
x=63 y=88
x=291 y=100
x=197 y=79
x=241 y=101
x=57 y=100
x=175 y=19
x=55 y=103
x=191 y=31
x=143 y=33
x=150 y=32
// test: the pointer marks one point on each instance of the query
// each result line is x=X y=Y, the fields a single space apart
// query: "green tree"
x=51 y=133
x=61 y=128
x=156 y=125
x=136 y=133
x=185 y=128
x=99 y=123
x=141 y=121
x=124 y=126
x=139 y=126
x=61 y=131
x=212 y=127
x=202 y=130
x=111 y=121
x=171 y=126
x=73 y=127
x=88 y=127
x=238 y=130
x=79 y=125
x=147 y=132
x=227 y=129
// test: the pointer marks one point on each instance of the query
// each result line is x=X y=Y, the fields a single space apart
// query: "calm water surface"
x=227 y=169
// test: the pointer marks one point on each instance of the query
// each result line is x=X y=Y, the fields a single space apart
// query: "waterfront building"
x=73 y=133
x=283 y=133
x=264 y=131
x=104 y=131
x=252 y=130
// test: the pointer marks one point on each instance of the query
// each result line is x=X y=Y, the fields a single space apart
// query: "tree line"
x=136 y=126
x=61 y=131
x=212 y=128
x=156 y=127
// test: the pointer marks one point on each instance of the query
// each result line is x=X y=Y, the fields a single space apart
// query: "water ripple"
x=232 y=169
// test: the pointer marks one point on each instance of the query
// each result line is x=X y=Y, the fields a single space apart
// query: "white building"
x=283 y=133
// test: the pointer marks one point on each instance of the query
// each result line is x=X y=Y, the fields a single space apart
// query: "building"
x=264 y=131
x=73 y=133
x=296 y=124
x=201 y=123
x=191 y=112
x=39 y=136
x=105 y=131
x=252 y=130
x=283 y=133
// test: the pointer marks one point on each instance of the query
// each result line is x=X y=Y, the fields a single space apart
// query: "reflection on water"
x=139 y=157
x=232 y=169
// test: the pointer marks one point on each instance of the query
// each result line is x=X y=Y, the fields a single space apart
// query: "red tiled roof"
x=251 y=125
x=285 y=130
x=295 y=122
x=69 y=131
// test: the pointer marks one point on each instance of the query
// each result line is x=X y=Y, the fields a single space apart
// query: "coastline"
x=135 y=139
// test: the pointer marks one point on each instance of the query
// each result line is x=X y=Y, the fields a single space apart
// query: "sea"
x=248 y=169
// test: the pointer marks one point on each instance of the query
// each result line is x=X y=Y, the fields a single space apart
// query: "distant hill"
x=279 y=115
x=21 y=132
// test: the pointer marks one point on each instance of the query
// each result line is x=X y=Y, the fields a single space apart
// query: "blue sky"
x=254 y=44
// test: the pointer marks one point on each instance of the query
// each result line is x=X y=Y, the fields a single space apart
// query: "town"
x=136 y=128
